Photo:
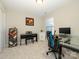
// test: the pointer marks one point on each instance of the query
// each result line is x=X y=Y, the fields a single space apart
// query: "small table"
x=25 y=36
x=72 y=44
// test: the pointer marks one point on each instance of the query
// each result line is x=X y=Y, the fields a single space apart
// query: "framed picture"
x=29 y=21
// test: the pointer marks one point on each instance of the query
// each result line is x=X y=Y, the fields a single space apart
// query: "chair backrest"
x=51 y=40
x=47 y=34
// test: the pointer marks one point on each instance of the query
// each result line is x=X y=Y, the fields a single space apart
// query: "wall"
x=50 y=25
x=50 y=22
x=2 y=27
x=17 y=20
x=67 y=16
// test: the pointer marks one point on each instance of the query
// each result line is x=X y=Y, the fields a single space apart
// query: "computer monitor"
x=65 y=30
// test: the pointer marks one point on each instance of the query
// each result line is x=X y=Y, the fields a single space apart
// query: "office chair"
x=50 y=38
x=53 y=45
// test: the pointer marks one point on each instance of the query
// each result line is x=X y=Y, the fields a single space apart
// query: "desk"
x=70 y=44
x=25 y=36
x=71 y=47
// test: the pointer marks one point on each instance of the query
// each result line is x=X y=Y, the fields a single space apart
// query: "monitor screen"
x=65 y=30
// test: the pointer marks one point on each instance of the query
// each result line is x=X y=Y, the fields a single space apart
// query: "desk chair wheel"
x=47 y=53
x=63 y=55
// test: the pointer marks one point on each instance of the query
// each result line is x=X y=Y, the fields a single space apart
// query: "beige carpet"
x=30 y=51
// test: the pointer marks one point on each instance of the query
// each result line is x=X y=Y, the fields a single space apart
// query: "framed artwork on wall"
x=29 y=21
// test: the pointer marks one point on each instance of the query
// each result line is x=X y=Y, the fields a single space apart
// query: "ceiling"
x=31 y=7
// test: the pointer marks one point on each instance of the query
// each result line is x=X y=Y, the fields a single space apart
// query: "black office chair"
x=50 y=38
x=54 y=45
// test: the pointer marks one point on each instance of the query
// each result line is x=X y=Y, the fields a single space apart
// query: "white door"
x=42 y=36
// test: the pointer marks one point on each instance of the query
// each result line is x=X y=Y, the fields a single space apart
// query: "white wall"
x=50 y=25
x=17 y=20
x=2 y=27
x=50 y=22
x=67 y=16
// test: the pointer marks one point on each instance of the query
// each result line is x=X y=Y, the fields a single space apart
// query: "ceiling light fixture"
x=39 y=1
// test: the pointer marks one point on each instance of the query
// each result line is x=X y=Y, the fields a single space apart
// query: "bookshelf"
x=12 y=37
